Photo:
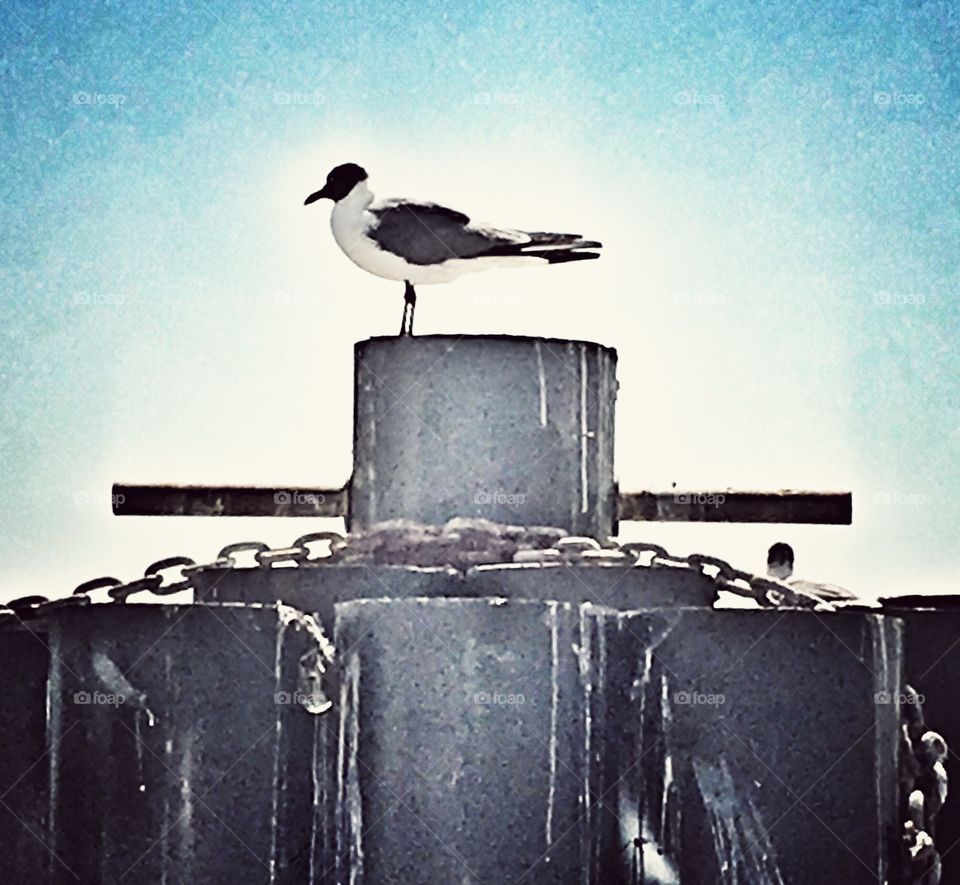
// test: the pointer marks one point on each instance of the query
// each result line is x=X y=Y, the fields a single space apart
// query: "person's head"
x=780 y=561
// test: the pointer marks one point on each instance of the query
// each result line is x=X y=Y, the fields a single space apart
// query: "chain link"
x=124 y=591
x=27 y=607
x=269 y=558
x=724 y=569
x=88 y=587
x=156 y=569
x=335 y=540
x=220 y=562
x=576 y=544
x=638 y=547
x=228 y=552
x=67 y=602
x=25 y=603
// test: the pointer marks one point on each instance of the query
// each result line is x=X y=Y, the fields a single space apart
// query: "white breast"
x=350 y=222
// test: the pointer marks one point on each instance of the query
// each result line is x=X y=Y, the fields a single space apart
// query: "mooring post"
x=515 y=430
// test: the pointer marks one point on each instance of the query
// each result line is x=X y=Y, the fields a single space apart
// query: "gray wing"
x=425 y=233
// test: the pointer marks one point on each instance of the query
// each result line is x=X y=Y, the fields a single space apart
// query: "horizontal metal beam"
x=817 y=508
x=166 y=500
x=786 y=506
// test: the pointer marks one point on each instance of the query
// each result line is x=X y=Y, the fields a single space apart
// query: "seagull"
x=419 y=243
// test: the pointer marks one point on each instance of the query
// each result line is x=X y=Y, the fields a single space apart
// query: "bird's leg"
x=409 y=305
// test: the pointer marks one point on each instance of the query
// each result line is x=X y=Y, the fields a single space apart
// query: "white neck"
x=350 y=219
x=358 y=199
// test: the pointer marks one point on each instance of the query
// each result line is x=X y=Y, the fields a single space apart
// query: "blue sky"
x=776 y=188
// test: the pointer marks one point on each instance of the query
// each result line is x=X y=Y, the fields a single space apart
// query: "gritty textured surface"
x=319 y=589
x=472 y=713
x=735 y=741
x=515 y=430
x=24 y=780
x=460 y=543
x=202 y=773
x=470 y=740
x=932 y=667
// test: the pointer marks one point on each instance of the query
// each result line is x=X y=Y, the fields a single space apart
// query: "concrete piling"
x=179 y=752
x=24 y=781
x=754 y=747
x=515 y=430
x=461 y=727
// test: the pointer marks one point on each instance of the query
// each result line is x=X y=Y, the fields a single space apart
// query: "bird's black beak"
x=319 y=195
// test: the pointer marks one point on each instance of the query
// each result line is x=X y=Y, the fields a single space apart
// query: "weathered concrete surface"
x=932 y=667
x=614 y=586
x=743 y=747
x=516 y=430
x=201 y=773
x=461 y=728
x=318 y=589
x=24 y=792
x=790 y=779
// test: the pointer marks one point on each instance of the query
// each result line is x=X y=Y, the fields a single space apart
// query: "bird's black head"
x=340 y=182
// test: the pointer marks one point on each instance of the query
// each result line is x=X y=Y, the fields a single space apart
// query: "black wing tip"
x=559 y=256
x=546 y=238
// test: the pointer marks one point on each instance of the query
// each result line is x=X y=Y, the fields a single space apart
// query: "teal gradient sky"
x=776 y=188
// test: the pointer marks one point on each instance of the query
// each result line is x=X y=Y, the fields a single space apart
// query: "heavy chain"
x=176 y=574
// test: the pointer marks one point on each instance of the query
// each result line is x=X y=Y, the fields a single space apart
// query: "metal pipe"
x=814 y=508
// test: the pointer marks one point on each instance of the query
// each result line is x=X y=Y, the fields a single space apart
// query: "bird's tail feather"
x=545 y=240
x=532 y=248
x=552 y=247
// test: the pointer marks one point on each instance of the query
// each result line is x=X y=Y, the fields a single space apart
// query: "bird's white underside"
x=351 y=219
